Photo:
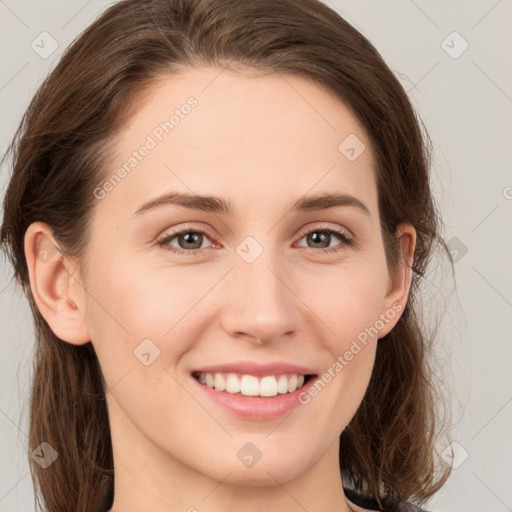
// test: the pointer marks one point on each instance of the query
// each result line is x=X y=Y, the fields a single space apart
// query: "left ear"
x=399 y=282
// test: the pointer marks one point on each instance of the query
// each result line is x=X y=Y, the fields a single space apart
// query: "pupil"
x=191 y=238
x=319 y=237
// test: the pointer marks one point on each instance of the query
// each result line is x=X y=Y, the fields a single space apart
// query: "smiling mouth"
x=251 y=385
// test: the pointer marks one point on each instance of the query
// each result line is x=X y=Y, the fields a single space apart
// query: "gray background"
x=465 y=100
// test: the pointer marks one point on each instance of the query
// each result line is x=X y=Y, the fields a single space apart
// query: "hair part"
x=62 y=150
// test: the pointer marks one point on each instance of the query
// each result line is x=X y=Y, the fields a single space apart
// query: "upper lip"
x=257 y=369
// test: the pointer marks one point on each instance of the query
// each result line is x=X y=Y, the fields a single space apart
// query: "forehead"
x=242 y=136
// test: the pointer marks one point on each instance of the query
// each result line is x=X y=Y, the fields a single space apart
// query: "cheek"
x=140 y=329
x=348 y=299
x=134 y=302
x=147 y=315
x=349 y=304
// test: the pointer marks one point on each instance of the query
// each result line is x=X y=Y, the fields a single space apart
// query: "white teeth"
x=232 y=383
x=220 y=384
x=268 y=386
x=282 y=384
x=210 y=381
x=292 y=383
x=250 y=385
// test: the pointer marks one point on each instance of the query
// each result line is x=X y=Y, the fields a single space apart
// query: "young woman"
x=221 y=216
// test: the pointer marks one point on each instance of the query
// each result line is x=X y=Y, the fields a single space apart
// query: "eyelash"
x=346 y=239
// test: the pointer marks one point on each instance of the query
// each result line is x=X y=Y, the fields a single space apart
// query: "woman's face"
x=263 y=284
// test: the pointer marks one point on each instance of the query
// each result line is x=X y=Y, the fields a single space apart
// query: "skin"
x=261 y=142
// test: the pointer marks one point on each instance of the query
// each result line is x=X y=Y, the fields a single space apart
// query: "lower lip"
x=254 y=407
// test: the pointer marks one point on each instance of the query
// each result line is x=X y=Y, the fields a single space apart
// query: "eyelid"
x=185 y=228
x=327 y=227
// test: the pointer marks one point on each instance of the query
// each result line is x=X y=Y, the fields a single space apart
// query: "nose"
x=259 y=303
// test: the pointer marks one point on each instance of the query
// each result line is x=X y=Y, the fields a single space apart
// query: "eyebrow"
x=214 y=204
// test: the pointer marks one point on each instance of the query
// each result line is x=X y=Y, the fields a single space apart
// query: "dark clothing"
x=390 y=505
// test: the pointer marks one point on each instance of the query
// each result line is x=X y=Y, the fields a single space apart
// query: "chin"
x=261 y=474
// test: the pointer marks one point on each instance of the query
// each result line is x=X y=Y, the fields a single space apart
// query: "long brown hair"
x=60 y=152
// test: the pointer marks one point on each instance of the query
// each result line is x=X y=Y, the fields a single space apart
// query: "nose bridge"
x=259 y=301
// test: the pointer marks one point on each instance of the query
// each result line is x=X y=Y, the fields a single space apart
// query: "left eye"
x=325 y=235
x=191 y=241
